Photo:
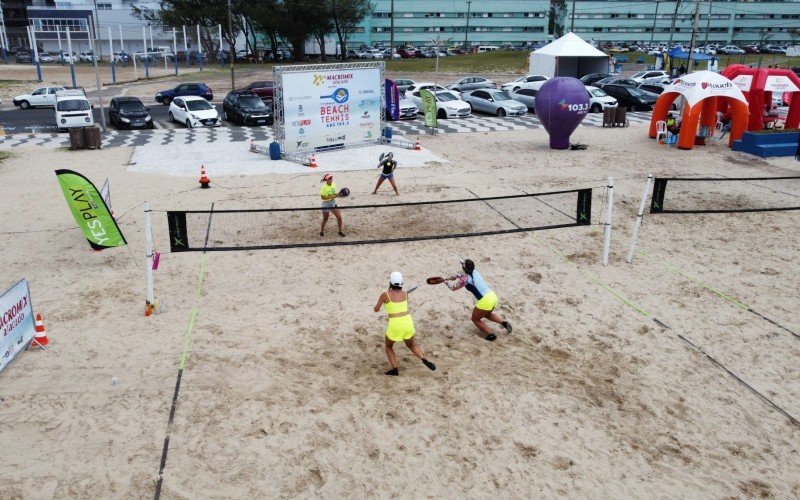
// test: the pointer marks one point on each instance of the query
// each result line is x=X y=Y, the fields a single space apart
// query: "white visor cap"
x=396 y=279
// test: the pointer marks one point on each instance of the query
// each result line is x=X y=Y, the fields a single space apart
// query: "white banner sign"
x=744 y=82
x=16 y=321
x=779 y=83
x=331 y=107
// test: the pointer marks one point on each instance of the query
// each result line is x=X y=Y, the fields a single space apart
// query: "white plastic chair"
x=719 y=120
x=661 y=130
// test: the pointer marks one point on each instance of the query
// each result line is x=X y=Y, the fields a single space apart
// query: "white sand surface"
x=283 y=392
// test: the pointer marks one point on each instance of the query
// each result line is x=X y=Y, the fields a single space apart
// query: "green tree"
x=346 y=16
x=206 y=13
x=557 y=16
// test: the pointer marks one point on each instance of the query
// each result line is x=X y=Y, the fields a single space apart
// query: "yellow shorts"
x=400 y=329
x=488 y=302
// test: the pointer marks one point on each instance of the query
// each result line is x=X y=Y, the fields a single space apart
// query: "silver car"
x=525 y=96
x=496 y=102
x=403 y=84
x=471 y=83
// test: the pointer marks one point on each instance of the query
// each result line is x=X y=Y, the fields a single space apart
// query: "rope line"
x=184 y=354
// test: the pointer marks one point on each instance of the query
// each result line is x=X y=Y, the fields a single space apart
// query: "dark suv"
x=245 y=108
x=23 y=56
x=129 y=112
x=199 y=89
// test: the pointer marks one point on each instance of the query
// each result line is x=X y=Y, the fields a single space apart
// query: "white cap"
x=396 y=279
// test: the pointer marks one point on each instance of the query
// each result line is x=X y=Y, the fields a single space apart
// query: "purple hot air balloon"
x=561 y=104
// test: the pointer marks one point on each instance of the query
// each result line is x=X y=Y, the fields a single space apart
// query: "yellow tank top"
x=396 y=307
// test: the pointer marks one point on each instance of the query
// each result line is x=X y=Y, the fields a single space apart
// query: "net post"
x=657 y=202
x=638 y=222
x=148 y=236
x=607 y=245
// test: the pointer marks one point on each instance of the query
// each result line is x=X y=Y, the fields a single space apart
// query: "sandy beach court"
x=283 y=392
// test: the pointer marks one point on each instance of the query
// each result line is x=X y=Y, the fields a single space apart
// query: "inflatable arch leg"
x=661 y=109
x=689 y=126
x=739 y=120
x=793 y=118
x=708 y=114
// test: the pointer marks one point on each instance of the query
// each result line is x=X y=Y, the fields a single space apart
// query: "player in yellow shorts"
x=401 y=326
x=487 y=299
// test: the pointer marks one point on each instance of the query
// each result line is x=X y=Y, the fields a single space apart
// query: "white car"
x=408 y=110
x=373 y=54
x=428 y=86
x=448 y=104
x=731 y=50
x=525 y=82
x=651 y=77
x=44 y=96
x=194 y=111
x=599 y=100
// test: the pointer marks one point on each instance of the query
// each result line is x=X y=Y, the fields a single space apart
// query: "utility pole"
x=232 y=44
x=96 y=23
x=572 y=23
x=653 y=30
x=694 y=35
x=391 y=31
x=466 y=30
x=708 y=22
x=672 y=28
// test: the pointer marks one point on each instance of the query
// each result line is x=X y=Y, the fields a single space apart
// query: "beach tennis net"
x=725 y=194
x=276 y=228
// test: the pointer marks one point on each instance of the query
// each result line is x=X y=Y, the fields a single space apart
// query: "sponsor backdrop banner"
x=90 y=211
x=331 y=107
x=392 y=100
x=16 y=321
x=429 y=108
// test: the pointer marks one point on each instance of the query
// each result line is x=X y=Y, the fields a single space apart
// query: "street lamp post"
x=231 y=44
x=466 y=30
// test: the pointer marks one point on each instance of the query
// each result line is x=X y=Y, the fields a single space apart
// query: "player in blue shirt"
x=487 y=300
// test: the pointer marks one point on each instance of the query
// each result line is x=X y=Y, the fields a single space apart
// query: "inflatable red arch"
x=706 y=93
x=758 y=85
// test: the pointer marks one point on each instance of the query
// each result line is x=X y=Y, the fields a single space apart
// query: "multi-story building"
x=496 y=22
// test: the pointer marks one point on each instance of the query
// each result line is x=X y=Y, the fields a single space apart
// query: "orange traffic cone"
x=204 y=180
x=148 y=308
x=313 y=163
x=417 y=146
x=39 y=336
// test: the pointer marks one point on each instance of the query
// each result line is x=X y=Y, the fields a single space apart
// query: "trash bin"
x=608 y=116
x=387 y=132
x=91 y=137
x=76 y=138
x=620 y=116
x=274 y=150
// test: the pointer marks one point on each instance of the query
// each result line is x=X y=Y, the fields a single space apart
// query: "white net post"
x=607 y=245
x=148 y=236
x=638 y=222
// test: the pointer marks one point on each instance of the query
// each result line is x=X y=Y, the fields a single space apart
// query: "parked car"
x=23 y=56
x=425 y=85
x=194 y=111
x=185 y=89
x=523 y=83
x=121 y=57
x=44 y=96
x=73 y=109
x=403 y=84
x=655 y=88
x=599 y=99
x=448 y=105
x=408 y=110
x=616 y=81
x=265 y=89
x=751 y=49
x=405 y=54
x=650 y=77
x=773 y=49
x=87 y=56
x=631 y=97
x=246 y=108
x=525 y=96
x=471 y=83
x=354 y=54
x=592 y=78
x=129 y=112
x=244 y=55
x=373 y=54
x=731 y=50
x=46 y=58
x=496 y=102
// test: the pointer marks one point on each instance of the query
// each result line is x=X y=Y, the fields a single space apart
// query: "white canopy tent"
x=570 y=55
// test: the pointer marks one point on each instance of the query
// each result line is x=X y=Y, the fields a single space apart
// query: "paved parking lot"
x=168 y=133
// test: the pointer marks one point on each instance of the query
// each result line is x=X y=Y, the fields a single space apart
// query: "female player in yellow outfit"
x=401 y=326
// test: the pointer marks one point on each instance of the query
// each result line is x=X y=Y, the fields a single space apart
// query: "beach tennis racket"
x=435 y=280
x=344 y=193
x=412 y=288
